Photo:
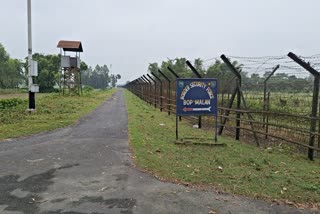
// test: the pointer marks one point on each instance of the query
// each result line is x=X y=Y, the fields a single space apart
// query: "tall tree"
x=114 y=79
x=11 y=73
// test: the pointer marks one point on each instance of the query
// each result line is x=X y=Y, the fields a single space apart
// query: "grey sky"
x=131 y=33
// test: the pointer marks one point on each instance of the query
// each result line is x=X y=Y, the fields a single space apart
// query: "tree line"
x=218 y=69
x=14 y=72
x=99 y=77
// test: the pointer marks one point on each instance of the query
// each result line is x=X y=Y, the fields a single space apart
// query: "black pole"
x=238 y=113
x=32 y=101
x=148 y=85
x=168 y=92
x=265 y=86
x=315 y=98
x=237 y=74
x=194 y=70
x=177 y=76
x=138 y=88
x=267 y=117
x=155 y=90
x=173 y=72
x=265 y=100
x=145 y=89
x=160 y=92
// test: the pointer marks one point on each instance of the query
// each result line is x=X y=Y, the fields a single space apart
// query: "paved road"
x=86 y=169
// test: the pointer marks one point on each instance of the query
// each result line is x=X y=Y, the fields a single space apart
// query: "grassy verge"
x=269 y=173
x=53 y=111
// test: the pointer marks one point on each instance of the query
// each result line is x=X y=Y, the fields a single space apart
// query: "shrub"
x=87 y=88
x=10 y=103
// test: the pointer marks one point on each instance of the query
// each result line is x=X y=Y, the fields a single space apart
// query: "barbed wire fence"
x=268 y=100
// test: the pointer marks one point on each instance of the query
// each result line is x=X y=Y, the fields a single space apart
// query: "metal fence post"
x=168 y=91
x=146 y=89
x=155 y=91
x=315 y=98
x=149 y=88
x=237 y=74
x=240 y=98
x=140 y=88
x=265 y=100
x=160 y=90
x=176 y=76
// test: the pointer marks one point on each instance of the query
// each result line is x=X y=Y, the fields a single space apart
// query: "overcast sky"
x=129 y=34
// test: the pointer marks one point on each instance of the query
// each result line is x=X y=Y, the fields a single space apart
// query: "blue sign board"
x=197 y=97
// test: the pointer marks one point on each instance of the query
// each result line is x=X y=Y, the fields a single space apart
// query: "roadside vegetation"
x=272 y=173
x=52 y=111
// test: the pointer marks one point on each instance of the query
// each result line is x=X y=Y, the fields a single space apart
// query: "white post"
x=31 y=94
x=29 y=44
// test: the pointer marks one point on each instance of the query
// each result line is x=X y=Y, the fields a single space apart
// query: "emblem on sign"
x=181 y=84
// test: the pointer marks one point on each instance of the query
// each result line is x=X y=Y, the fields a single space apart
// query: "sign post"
x=197 y=97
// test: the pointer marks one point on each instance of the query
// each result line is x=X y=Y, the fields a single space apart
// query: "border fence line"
x=263 y=126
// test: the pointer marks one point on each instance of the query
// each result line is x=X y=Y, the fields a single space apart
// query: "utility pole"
x=32 y=103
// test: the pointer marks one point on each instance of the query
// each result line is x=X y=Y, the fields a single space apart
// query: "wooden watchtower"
x=70 y=67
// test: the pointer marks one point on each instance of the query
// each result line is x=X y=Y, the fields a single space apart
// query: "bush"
x=87 y=88
x=10 y=103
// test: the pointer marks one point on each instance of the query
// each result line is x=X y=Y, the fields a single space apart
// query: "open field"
x=294 y=103
x=270 y=173
x=53 y=111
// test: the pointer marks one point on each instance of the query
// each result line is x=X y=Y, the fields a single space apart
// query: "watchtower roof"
x=72 y=46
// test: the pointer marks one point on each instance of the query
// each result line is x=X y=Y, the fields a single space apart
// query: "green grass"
x=53 y=111
x=268 y=173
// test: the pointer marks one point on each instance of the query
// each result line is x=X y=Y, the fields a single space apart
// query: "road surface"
x=86 y=169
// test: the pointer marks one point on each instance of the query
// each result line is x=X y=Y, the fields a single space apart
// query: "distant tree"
x=153 y=67
x=4 y=56
x=83 y=66
x=11 y=73
x=114 y=79
x=198 y=65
